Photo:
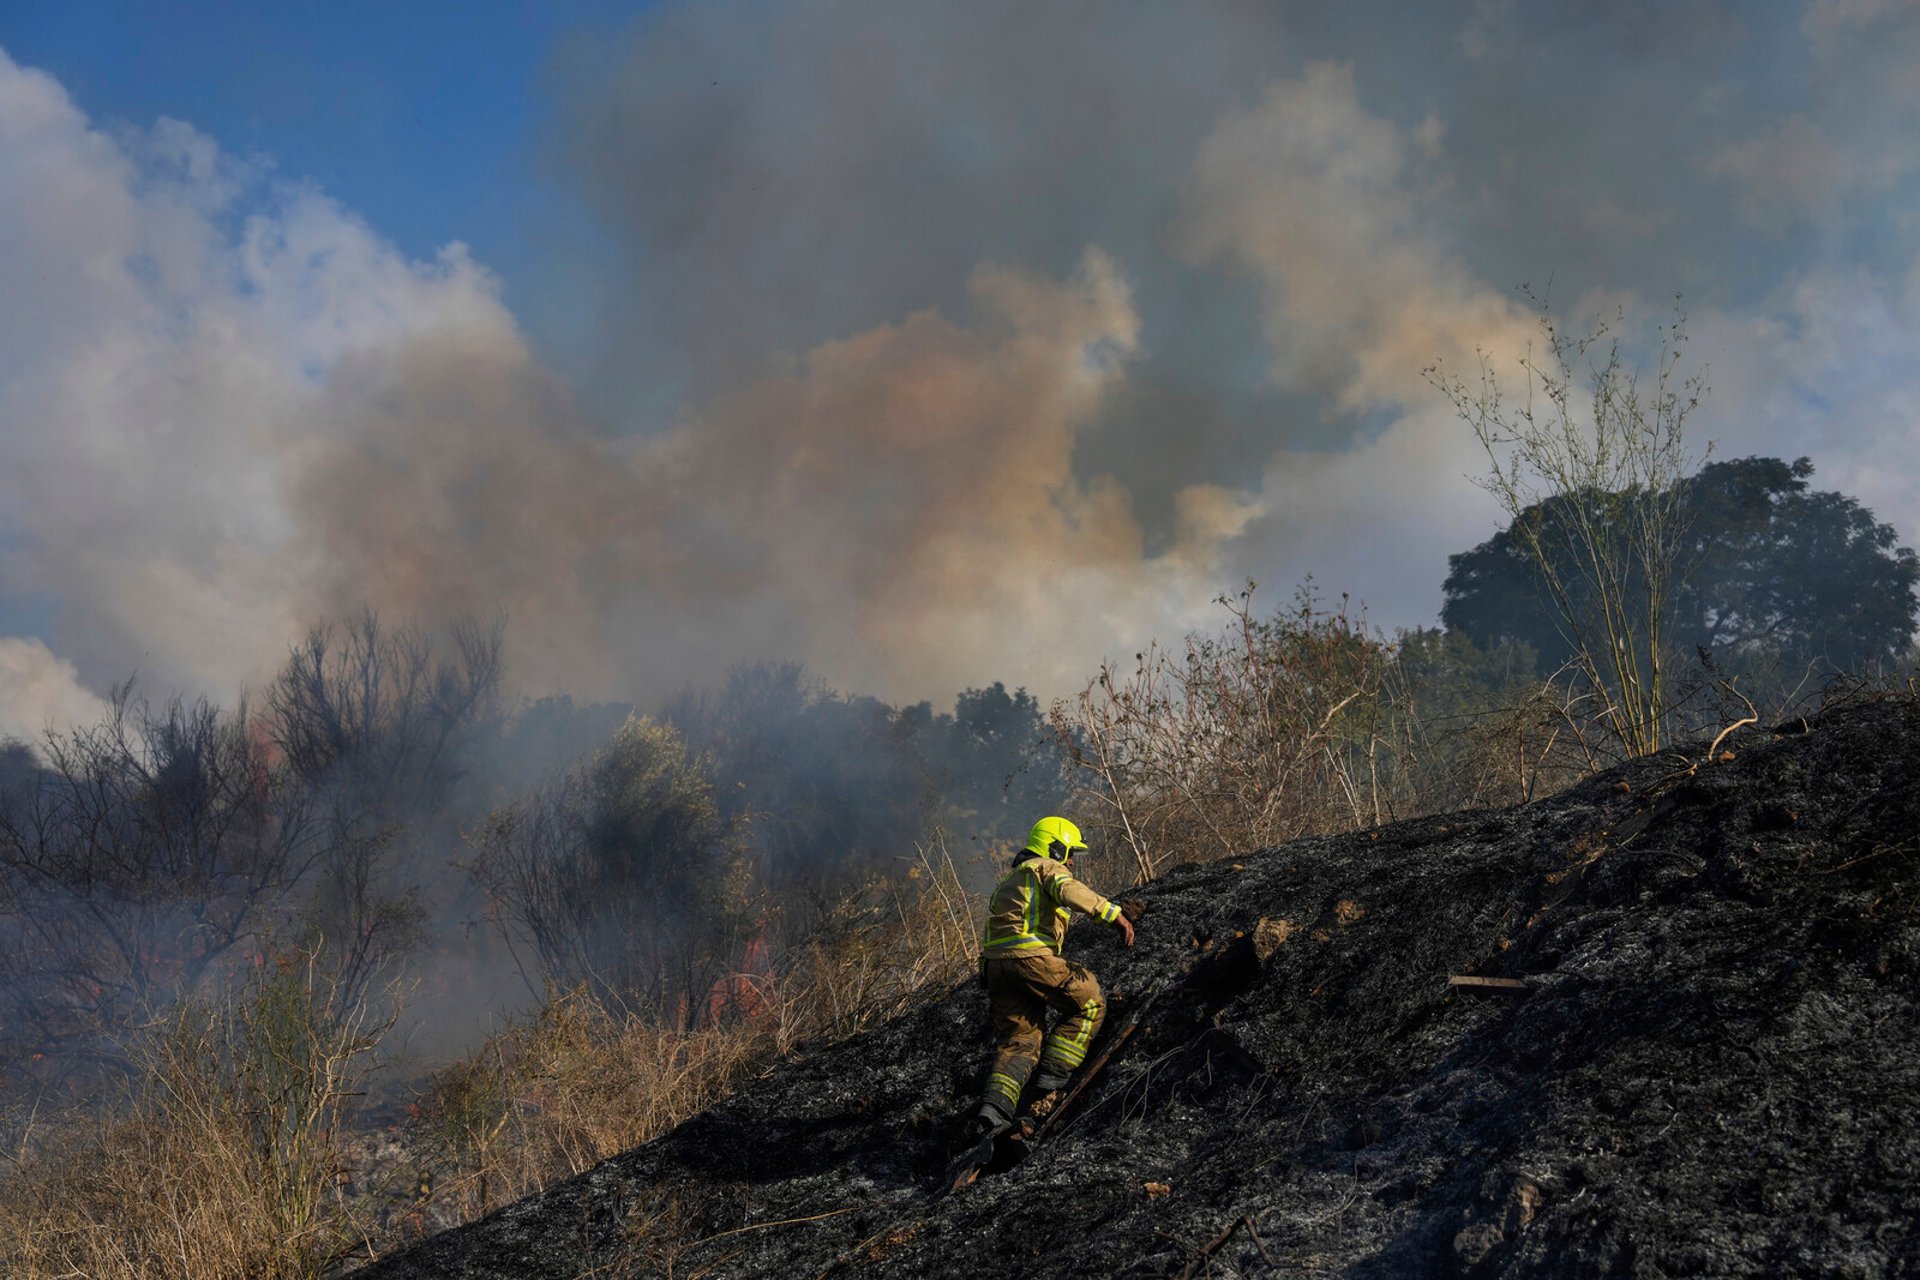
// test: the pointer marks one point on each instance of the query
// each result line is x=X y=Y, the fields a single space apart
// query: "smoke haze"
x=928 y=345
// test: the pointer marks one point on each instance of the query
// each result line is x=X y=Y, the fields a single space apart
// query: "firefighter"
x=1025 y=975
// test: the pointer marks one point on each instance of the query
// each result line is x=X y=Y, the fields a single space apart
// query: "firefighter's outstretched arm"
x=1069 y=892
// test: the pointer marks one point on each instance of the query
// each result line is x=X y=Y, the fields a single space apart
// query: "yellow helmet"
x=1055 y=838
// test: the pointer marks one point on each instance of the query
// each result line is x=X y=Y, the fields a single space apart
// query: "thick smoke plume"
x=936 y=345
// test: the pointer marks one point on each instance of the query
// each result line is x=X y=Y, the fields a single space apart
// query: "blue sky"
x=929 y=344
x=425 y=118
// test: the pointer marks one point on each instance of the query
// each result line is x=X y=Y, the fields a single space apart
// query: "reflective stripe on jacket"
x=1032 y=905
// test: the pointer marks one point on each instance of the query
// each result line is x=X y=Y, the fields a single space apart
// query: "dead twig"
x=1206 y=1250
x=1877 y=851
x=854 y=1252
x=1721 y=736
x=1255 y=1237
x=784 y=1222
x=1752 y=717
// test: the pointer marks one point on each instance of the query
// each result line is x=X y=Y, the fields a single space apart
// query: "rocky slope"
x=1714 y=1069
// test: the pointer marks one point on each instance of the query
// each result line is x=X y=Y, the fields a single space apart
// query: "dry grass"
x=581 y=1081
x=559 y=1093
x=225 y=1159
x=221 y=1160
x=880 y=951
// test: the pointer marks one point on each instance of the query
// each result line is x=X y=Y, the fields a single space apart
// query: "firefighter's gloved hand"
x=1133 y=909
x=1126 y=931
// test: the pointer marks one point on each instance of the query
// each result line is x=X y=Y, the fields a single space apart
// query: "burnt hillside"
x=1714 y=1070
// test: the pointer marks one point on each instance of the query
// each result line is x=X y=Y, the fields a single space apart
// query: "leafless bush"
x=1265 y=732
x=368 y=720
x=1591 y=465
x=378 y=710
x=1479 y=727
x=224 y=1158
x=148 y=849
x=1299 y=723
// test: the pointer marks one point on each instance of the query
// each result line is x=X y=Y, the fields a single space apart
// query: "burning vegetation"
x=395 y=957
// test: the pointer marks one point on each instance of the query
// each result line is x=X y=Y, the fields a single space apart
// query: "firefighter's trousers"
x=1020 y=990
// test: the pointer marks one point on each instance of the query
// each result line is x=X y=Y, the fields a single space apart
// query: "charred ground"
x=1713 y=1072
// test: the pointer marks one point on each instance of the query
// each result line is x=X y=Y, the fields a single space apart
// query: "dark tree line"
x=1778 y=580
x=831 y=784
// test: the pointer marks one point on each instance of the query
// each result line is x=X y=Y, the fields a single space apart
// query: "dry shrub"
x=1266 y=732
x=149 y=849
x=582 y=1080
x=224 y=1158
x=1591 y=463
x=1301 y=723
x=877 y=953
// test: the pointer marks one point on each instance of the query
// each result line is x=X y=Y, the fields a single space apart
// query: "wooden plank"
x=1487 y=984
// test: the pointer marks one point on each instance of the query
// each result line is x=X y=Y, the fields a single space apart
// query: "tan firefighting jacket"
x=1032 y=906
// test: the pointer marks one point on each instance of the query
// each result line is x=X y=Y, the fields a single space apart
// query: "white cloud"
x=899 y=510
x=1489 y=31
x=167 y=324
x=1321 y=202
x=908 y=495
x=232 y=408
x=1852 y=142
x=228 y=407
x=1826 y=19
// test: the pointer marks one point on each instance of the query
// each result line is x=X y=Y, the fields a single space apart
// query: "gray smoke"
x=933 y=344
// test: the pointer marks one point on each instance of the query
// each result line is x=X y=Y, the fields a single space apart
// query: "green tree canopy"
x=1778 y=575
x=622 y=873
